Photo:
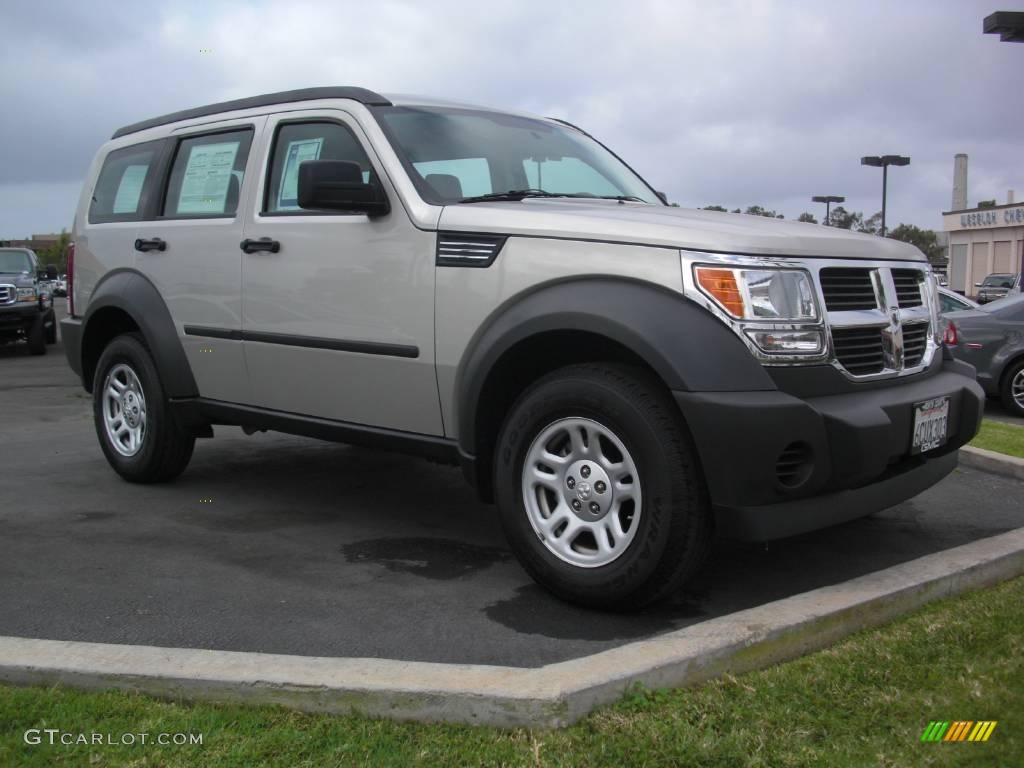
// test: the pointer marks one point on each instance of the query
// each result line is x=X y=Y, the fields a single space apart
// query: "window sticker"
x=298 y=152
x=204 y=188
x=130 y=189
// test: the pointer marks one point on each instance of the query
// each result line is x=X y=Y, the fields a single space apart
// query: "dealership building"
x=981 y=240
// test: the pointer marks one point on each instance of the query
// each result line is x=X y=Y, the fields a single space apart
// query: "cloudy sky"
x=714 y=102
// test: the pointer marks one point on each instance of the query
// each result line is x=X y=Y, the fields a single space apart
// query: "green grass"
x=866 y=701
x=1000 y=437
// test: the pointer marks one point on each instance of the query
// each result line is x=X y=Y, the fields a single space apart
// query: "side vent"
x=465 y=249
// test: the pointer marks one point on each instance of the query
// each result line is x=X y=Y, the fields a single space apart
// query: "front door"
x=191 y=251
x=337 y=309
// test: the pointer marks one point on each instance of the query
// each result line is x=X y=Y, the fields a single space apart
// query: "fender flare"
x=133 y=293
x=689 y=348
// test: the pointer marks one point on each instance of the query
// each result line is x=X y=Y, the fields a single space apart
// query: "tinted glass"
x=125 y=176
x=295 y=144
x=998 y=281
x=206 y=178
x=520 y=153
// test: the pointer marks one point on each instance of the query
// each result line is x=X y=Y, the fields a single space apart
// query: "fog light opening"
x=794 y=465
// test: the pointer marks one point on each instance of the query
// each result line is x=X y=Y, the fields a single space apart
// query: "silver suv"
x=623 y=378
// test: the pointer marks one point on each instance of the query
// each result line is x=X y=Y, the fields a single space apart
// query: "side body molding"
x=133 y=293
x=688 y=348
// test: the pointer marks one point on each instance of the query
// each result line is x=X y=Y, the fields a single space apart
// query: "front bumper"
x=14 y=317
x=855 y=449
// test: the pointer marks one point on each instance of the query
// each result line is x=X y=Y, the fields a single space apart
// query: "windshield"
x=452 y=154
x=12 y=261
x=998 y=281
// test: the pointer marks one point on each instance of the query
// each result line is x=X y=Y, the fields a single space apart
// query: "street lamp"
x=884 y=161
x=828 y=200
x=1009 y=25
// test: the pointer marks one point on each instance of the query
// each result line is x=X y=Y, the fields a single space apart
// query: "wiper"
x=622 y=198
x=513 y=194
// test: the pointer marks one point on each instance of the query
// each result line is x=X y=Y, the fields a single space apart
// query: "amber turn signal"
x=721 y=285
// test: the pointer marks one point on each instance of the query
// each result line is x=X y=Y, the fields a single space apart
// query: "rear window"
x=124 y=183
x=207 y=174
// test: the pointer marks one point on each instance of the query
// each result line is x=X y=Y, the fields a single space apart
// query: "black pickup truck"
x=26 y=306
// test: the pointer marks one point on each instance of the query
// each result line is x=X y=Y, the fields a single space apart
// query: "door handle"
x=156 y=244
x=263 y=244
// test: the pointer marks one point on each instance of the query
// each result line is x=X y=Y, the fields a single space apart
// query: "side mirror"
x=977 y=285
x=337 y=185
x=51 y=272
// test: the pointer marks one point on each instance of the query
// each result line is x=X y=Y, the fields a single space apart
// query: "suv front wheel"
x=598 y=487
x=137 y=430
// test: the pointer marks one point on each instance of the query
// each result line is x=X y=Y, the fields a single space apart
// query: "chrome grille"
x=859 y=350
x=879 y=319
x=908 y=287
x=8 y=294
x=915 y=343
x=845 y=288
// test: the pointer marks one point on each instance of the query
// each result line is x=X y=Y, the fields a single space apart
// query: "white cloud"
x=734 y=103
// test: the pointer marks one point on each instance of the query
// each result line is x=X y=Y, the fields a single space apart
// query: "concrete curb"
x=990 y=461
x=550 y=696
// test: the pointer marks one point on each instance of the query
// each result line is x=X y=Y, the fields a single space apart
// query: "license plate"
x=931 y=419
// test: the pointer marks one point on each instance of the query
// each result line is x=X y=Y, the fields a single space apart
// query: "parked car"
x=26 y=308
x=950 y=301
x=622 y=377
x=991 y=338
x=60 y=286
x=997 y=286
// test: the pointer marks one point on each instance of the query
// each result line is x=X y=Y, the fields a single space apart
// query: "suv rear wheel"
x=137 y=430
x=598 y=488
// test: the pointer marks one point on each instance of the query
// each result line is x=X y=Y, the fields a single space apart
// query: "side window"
x=118 y=195
x=455 y=179
x=207 y=174
x=566 y=175
x=296 y=143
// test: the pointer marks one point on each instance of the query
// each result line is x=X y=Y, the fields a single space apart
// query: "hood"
x=20 y=279
x=674 y=227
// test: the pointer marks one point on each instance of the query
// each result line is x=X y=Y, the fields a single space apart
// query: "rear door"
x=127 y=181
x=339 y=315
x=190 y=249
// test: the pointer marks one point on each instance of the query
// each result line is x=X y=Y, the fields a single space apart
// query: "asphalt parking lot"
x=287 y=545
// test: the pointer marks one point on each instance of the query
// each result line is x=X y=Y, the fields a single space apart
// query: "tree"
x=844 y=219
x=986 y=203
x=925 y=239
x=714 y=208
x=871 y=225
x=808 y=217
x=57 y=253
x=757 y=210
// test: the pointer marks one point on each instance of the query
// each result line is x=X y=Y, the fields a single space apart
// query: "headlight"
x=765 y=295
x=27 y=294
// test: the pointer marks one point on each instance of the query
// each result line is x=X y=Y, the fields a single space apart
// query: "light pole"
x=884 y=161
x=828 y=200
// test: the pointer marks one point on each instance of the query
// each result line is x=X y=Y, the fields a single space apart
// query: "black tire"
x=675 y=527
x=166 y=445
x=1006 y=389
x=37 y=337
x=51 y=330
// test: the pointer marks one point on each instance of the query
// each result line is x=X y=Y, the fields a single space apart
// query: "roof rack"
x=361 y=95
